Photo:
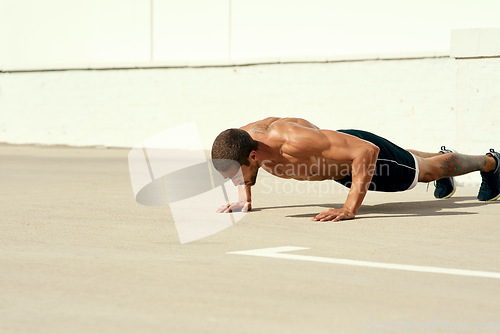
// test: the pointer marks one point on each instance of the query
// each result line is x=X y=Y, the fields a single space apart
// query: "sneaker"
x=445 y=187
x=490 y=187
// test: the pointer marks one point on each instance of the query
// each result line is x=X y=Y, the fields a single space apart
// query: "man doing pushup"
x=295 y=148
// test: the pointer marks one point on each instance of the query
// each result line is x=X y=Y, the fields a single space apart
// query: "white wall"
x=421 y=103
x=43 y=34
x=478 y=99
x=282 y=28
x=478 y=88
x=191 y=30
x=121 y=107
x=79 y=34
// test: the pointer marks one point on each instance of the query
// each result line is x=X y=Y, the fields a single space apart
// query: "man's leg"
x=424 y=154
x=445 y=187
x=452 y=164
x=455 y=164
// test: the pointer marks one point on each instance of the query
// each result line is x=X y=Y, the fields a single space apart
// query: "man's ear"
x=252 y=155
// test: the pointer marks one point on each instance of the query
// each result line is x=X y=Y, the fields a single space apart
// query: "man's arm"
x=303 y=142
x=363 y=166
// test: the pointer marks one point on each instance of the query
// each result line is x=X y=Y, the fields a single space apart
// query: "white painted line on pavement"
x=279 y=253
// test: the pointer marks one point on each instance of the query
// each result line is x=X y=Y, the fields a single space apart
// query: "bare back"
x=295 y=148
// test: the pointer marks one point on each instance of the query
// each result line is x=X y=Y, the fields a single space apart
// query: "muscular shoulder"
x=271 y=123
x=289 y=134
x=300 y=137
x=261 y=127
x=292 y=129
x=291 y=122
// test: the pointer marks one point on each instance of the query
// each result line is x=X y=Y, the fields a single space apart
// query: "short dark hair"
x=232 y=145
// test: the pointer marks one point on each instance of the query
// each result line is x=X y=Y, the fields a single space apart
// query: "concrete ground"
x=79 y=255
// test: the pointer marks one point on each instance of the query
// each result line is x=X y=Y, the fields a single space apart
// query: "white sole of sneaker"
x=454 y=189
x=494 y=198
x=452 y=193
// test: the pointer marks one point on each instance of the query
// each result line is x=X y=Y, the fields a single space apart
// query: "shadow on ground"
x=455 y=206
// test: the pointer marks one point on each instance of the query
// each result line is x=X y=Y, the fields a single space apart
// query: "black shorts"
x=396 y=168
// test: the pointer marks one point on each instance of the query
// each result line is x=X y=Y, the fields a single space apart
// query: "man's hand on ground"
x=237 y=206
x=334 y=215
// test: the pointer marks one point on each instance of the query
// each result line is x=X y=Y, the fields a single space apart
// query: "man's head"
x=234 y=148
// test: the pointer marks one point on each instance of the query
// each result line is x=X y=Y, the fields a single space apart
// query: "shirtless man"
x=295 y=148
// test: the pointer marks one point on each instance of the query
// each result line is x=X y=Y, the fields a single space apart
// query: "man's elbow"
x=372 y=152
